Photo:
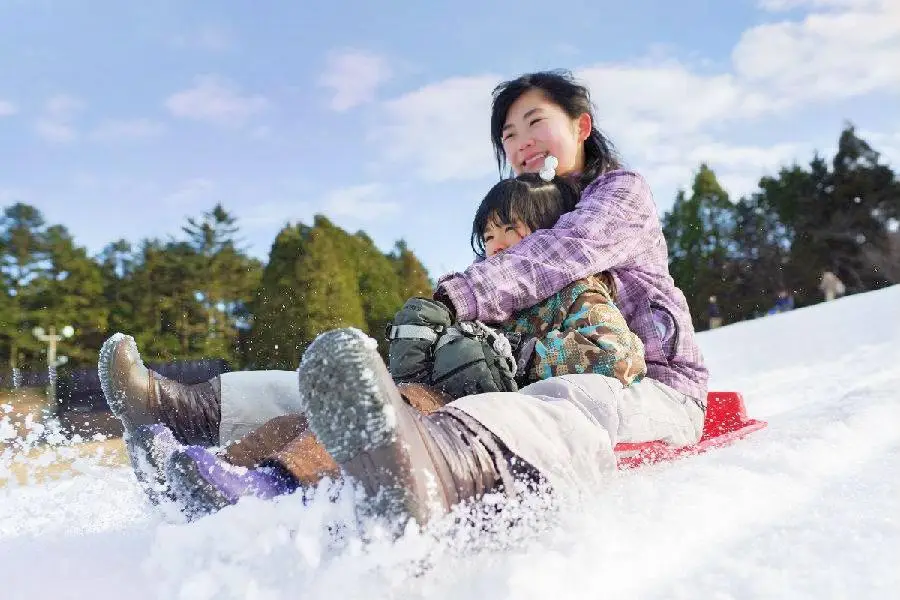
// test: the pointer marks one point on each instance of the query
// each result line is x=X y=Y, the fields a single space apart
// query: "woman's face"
x=500 y=236
x=536 y=127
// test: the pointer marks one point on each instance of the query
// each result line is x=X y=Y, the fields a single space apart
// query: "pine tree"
x=225 y=278
x=70 y=292
x=414 y=280
x=308 y=287
x=23 y=250
x=698 y=230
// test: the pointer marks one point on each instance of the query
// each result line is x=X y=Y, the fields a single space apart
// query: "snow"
x=806 y=508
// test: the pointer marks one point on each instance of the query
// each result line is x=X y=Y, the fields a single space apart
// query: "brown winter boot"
x=277 y=438
x=277 y=458
x=411 y=465
x=139 y=396
x=305 y=457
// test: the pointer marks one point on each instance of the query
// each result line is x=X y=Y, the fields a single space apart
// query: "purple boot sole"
x=149 y=448
x=204 y=483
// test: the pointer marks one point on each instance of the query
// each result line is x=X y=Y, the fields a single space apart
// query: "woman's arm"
x=614 y=223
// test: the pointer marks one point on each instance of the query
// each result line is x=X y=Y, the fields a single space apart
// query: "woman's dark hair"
x=560 y=88
x=537 y=203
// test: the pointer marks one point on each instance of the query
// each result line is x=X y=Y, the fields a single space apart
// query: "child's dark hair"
x=560 y=88
x=537 y=203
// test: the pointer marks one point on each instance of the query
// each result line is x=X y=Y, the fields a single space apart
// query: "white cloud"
x=363 y=202
x=784 y=5
x=353 y=76
x=440 y=130
x=216 y=100
x=840 y=54
x=125 y=129
x=56 y=121
x=7 y=108
x=666 y=116
x=738 y=167
x=886 y=143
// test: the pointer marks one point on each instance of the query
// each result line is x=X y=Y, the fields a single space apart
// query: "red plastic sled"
x=726 y=422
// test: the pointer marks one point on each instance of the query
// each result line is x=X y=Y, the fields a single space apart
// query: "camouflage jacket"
x=578 y=330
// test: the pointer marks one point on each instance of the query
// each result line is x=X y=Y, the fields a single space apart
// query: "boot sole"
x=116 y=400
x=197 y=497
x=150 y=472
x=357 y=413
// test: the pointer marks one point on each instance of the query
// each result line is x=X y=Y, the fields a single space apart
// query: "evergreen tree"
x=69 y=291
x=117 y=265
x=414 y=280
x=225 y=278
x=699 y=229
x=308 y=287
x=276 y=306
x=23 y=250
x=863 y=195
x=169 y=321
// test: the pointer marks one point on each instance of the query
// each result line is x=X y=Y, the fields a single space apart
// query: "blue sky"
x=122 y=119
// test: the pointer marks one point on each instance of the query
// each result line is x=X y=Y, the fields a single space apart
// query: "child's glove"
x=412 y=336
x=471 y=358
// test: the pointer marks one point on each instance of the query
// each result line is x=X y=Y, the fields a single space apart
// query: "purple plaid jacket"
x=615 y=228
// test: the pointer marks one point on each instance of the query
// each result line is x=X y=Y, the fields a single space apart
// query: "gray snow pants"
x=566 y=427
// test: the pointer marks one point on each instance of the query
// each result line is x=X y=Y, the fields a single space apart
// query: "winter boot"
x=149 y=448
x=411 y=465
x=207 y=482
x=283 y=437
x=204 y=482
x=139 y=396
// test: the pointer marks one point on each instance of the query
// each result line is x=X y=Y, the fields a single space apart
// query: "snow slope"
x=807 y=508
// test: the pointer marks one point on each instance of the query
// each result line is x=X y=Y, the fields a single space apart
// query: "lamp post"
x=51 y=338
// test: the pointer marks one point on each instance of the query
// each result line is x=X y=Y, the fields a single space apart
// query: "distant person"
x=715 y=314
x=783 y=303
x=831 y=286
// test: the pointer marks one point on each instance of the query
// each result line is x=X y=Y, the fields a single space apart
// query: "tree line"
x=839 y=215
x=201 y=295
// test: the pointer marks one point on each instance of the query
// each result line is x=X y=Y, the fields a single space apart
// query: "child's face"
x=500 y=236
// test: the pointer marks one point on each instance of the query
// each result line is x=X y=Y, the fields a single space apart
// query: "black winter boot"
x=411 y=465
x=139 y=396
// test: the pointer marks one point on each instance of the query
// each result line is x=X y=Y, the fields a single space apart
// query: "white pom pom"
x=548 y=171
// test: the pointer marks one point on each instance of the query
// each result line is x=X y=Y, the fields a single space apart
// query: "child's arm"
x=593 y=338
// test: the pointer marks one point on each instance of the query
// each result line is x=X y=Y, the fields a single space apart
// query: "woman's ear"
x=584 y=124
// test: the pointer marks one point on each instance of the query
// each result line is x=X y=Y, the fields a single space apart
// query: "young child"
x=577 y=330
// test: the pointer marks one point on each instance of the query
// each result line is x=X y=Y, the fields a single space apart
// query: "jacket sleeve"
x=593 y=338
x=614 y=223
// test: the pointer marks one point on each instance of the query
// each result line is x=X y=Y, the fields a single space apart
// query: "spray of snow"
x=803 y=509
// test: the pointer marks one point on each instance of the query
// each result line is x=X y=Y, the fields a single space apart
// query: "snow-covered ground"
x=806 y=508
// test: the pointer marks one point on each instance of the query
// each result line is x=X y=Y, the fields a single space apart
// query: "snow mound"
x=806 y=508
